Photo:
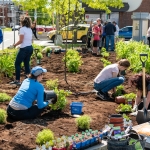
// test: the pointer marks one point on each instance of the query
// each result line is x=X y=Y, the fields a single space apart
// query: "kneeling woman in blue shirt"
x=21 y=106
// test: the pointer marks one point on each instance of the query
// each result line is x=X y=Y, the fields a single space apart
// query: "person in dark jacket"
x=34 y=30
x=110 y=30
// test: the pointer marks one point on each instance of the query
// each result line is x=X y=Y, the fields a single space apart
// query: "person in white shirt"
x=108 y=78
x=26 y=49
x=117 y=29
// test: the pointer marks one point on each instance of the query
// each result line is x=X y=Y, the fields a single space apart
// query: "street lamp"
x=14 y=19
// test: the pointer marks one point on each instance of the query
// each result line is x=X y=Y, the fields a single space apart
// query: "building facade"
x=121 y=16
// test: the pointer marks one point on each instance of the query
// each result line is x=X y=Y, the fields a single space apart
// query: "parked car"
x=17 y=27
x=49 y=28
x=126 y=32
x=81 y=32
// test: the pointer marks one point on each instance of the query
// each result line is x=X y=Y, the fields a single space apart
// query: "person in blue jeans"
x=31 y=90
x=108 y=78
x=26 y=49
x=110 y=30
x=1 y=36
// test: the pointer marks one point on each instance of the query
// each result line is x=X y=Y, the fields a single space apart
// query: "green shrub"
x=83 y=122
x=39 y=55
x=73 y=60
x=61 y=99
x=52 y=84
x=130 y=96
x=4 y=97
x=105 y=62
x=44 y=136
x=3 y=116
x=119 y=90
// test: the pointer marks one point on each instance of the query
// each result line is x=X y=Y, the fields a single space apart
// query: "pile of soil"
x=21 y=135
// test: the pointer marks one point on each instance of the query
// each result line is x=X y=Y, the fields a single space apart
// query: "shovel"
x=142 y=114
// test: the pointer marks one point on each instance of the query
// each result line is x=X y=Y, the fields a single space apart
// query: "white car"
x=17 y=27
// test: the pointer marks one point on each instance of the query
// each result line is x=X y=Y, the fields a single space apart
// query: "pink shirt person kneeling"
x=108 y=78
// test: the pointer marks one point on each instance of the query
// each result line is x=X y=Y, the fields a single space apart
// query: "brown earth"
x=21 y=135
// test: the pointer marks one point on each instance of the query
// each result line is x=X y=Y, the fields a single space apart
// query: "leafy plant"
x=3 y=116
x=52 y=84
x=124 y=108
x=105 y=54
x=73 y=60
x=130 y=96
x=105 y=62
x=7 y=64
x=46 y=135
x=61 y=99
x=83 y=122
x=126 y=117
x=39 y=55
x=48 y=50
x=4 y=97
x=119 y=90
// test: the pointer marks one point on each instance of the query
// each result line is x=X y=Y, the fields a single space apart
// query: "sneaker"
x=135 y=107
x=15 y=82
x=102 y=96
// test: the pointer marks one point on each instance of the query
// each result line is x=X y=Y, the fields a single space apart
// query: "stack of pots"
x=117 y=120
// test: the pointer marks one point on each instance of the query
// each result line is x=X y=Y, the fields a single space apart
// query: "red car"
x=45 y=28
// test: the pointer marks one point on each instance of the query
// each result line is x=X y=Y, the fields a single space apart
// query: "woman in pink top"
x=96 y=33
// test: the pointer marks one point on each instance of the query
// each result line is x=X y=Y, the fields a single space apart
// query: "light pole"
x=14 y=19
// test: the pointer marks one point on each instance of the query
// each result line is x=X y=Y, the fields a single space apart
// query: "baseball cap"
x=37 y=70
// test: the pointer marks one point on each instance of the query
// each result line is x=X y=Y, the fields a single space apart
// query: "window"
x=125 y=29
x=81 y=28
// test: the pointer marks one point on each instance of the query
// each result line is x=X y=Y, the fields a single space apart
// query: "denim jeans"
x=29 y=113
x=108 y=39
x=23 y=55
x=108 y=84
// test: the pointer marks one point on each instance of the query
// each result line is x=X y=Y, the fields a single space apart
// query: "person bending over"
x=108 y=78
x=136 y=82
x=21 y=106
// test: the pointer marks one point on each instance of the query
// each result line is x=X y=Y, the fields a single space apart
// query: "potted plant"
x=124 y=108
x=39 y=57
x=48 y=52
x=83 y=122
x=130 y=98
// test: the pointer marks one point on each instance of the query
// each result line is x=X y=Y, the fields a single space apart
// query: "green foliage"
x=4 y=97
x=105 y=54
x=73 y=60
x=119 y=90
x=52 y=84
x=7 y=64
x=3 y=116
x=105 y=62
x=48 y=50
x=132 y=51
x=83 y=122
x=61 y=99
x=126 y=117
x=44 y=136
x=124 y=108
x=39 y=55
x=130 y=96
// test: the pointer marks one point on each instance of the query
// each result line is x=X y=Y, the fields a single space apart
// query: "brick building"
x=125 y=17
x=121 y=16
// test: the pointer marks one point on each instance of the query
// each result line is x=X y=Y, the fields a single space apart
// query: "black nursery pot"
x=48 y=54
x=57 y=51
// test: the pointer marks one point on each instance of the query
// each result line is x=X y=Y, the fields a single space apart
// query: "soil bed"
x=20 y=135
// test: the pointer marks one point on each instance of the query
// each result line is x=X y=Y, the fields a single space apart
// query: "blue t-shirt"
x=1 y=36
x=29 y=91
